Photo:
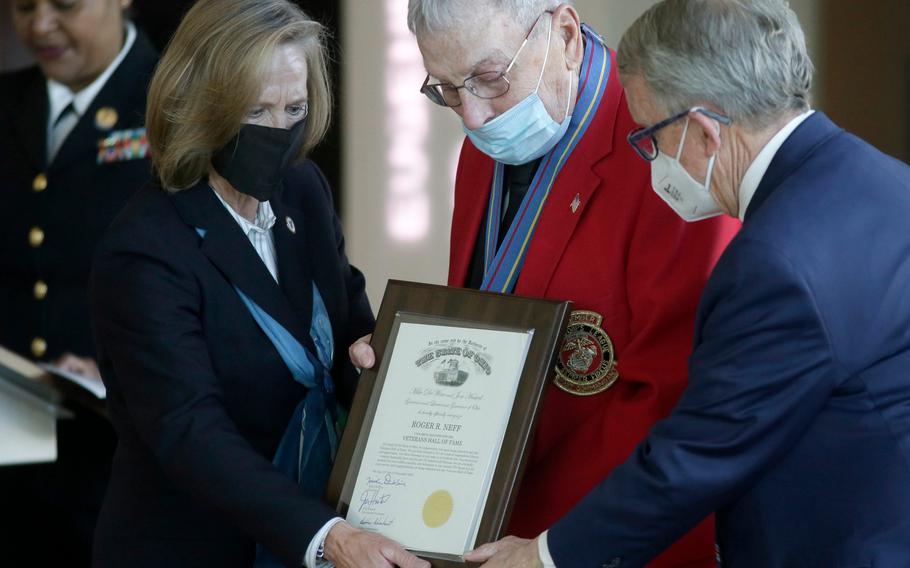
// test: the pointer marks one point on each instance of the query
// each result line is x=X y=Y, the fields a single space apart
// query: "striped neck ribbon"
x=502 y=267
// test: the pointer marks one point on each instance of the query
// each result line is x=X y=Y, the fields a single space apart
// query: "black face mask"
x=258 y=157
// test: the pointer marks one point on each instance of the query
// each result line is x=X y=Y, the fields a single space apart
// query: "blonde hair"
x=212 y=72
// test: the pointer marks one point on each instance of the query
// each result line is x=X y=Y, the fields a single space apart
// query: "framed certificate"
x=437 y=437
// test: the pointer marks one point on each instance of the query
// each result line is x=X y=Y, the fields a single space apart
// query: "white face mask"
x=691 y=200
x=526 y=131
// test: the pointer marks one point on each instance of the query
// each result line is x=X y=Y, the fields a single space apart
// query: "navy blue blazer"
x=198 y=395
x=795 y=426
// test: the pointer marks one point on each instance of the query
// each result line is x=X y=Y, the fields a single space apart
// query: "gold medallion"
x=106 y=118
x=587 y=361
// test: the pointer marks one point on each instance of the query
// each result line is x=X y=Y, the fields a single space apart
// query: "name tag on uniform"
x=123 y=145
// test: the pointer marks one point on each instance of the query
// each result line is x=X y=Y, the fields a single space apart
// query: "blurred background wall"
x=391 y=155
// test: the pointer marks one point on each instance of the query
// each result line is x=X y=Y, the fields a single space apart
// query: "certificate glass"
x=437 y=434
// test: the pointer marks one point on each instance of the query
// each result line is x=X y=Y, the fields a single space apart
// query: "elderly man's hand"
x=509 y=552
x=347 y=547
x=361 y=353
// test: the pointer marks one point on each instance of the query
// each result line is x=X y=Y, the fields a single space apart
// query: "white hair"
x=747 y=57
x=428 y=16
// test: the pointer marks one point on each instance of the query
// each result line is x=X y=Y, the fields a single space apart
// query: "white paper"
x=28 y=430
x=91 y=384
x=436 y=435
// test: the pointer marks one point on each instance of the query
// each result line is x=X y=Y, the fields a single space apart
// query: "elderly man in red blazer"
x=551 y=202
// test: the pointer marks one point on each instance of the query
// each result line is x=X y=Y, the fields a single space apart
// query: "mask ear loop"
x=568 y=96
x=710 y=171
x=711 y=163
x=682 y=141
x=546 y=55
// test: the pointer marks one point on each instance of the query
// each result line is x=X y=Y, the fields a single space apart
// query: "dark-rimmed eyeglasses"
x=644 y=142
x=486 y=85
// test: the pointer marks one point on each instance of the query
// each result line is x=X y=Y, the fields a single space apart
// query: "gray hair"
x=427 y=16
x=747 y=57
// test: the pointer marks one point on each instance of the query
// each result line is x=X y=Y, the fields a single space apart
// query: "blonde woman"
x=221 y=297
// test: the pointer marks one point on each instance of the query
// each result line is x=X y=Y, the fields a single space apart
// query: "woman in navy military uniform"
x=72 y=152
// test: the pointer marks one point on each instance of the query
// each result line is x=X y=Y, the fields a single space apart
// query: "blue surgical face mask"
x=526 y=131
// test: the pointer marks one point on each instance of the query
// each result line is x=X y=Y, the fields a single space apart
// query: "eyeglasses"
x=644 y=142
x=487 y=85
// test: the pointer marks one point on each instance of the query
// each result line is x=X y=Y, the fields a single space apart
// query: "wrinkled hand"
x=508 y=552
x=85 y=366
x=361 y=353
x=347 y=547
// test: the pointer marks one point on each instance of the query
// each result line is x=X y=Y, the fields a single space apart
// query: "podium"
x=29 y=409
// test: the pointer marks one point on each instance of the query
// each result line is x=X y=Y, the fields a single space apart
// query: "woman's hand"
x=347 y=547
x=361 y=353
x=85 y=366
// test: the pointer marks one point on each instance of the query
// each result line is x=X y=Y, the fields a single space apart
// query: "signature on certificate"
x=376 y=521
x=386 y=480
x=372 y=498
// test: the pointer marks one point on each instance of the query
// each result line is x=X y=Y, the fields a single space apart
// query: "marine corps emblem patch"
x=587 y=361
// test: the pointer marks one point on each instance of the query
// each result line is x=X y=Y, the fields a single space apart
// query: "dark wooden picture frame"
x=461 y=308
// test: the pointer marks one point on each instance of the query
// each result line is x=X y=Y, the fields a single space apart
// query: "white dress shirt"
x=261 y=237
x=259 y=232
x=543 y=550
x=76 y=104
x=759 y=166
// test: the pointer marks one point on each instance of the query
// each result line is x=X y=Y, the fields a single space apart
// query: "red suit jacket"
x=624 y=254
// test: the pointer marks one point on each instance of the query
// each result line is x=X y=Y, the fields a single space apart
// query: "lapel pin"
x=106 y=118
x=575 y=203
x=291 y=227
